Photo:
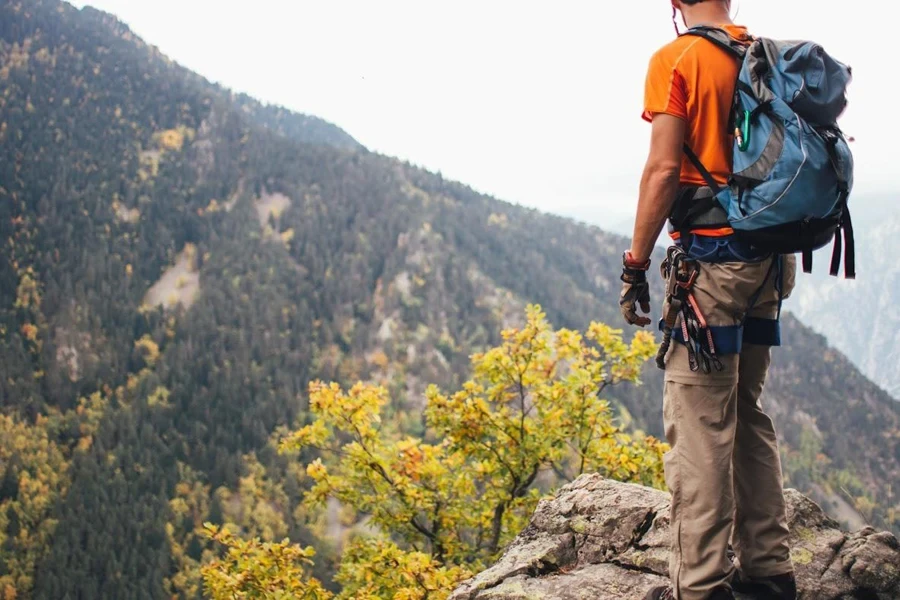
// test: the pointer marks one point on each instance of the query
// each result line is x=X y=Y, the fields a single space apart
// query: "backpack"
x=792 y=168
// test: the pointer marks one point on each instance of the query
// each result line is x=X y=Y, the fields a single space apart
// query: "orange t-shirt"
x=693 y=79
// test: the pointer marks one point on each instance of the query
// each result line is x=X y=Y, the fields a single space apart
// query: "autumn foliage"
x=438 y=509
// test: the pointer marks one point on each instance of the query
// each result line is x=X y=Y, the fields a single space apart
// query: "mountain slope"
x=178 y=266
x=302 y=128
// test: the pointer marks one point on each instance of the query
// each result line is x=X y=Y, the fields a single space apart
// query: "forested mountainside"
x=305 y=128
x=871 y=339
x=179 y=262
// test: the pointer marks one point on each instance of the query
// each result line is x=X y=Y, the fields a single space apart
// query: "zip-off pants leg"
x=724 y=470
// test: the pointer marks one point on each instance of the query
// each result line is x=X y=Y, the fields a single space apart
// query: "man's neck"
x=707 y=13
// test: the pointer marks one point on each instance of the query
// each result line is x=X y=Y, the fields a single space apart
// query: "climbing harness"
x=684 y=321
x=680 y=272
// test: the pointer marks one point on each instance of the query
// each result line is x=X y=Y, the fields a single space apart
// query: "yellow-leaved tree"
x=439 y=509
x=253 y=569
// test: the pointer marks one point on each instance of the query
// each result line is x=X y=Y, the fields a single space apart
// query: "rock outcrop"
x=600 y=539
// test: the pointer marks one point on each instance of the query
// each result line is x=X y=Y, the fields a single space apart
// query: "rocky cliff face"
x=601 y=539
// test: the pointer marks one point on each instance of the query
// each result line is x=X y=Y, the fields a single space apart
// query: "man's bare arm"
x=659 y=183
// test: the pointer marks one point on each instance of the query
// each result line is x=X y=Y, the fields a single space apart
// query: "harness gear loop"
x=674 y=303
x=680 y=272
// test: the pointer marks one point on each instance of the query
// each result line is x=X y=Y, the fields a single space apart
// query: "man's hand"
x=635 y=290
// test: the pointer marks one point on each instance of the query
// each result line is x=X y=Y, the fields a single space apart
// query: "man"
x=723 y=469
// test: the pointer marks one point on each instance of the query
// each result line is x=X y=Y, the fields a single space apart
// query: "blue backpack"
x=792 y=168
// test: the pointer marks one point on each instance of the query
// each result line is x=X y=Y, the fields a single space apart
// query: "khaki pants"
x=723 y=470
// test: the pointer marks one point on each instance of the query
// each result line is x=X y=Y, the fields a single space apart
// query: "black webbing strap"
x=836 y=253
x=845 y=245
x=746 y=88
x=737 y=49
x=807 y=261
x=845 y=223
x=850 y=250
x=704 y=172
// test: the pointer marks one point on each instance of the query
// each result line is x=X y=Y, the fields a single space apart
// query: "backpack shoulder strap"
x=704 y=172
x=720 y=38
x=738 y=50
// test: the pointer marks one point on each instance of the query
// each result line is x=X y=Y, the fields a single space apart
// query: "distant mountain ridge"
x=861 y=318
x=307 y=129
x=277 y=251
x=303 y=128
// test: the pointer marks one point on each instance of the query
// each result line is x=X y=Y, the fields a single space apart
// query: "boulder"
x=600 y=539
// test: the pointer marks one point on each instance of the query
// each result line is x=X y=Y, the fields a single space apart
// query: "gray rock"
x=600 y=539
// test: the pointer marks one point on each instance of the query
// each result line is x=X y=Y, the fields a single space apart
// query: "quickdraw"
x=680 y=272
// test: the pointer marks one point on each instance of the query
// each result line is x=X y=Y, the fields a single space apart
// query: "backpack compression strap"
x=845 y=224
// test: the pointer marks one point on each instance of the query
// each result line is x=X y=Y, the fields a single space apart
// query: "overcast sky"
x=534 y=102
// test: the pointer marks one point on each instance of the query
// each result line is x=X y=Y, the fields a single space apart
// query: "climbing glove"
x=635 y=290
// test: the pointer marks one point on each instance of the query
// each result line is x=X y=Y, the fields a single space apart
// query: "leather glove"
x=635 y=290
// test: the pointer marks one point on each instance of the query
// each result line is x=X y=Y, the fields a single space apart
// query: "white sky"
x=534 y=102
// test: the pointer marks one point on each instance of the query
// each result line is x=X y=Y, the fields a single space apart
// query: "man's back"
x=692 y=79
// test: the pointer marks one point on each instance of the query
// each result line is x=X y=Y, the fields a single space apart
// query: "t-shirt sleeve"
x=664 y=91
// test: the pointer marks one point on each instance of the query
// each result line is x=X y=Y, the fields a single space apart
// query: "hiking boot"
x=777 y=587
x=660 y=593
x=665 y=593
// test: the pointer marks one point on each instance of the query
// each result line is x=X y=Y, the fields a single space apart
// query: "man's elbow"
x=662 y=169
